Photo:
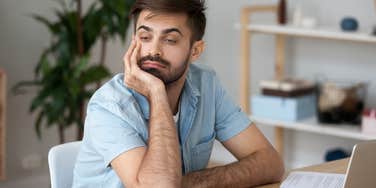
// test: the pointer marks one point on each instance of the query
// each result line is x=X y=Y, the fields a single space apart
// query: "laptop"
x=361 y=171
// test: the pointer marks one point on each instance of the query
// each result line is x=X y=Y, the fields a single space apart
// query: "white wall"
x=22 y=40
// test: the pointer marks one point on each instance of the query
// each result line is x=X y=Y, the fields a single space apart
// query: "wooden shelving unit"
x=2 y=122
x=281 y=33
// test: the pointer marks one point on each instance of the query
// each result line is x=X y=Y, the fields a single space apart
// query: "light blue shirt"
x=117 y=121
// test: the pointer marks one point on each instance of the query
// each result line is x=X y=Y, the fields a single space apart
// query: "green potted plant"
x=65 y=75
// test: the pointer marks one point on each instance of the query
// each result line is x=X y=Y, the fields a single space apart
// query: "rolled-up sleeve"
x=109 y=134
x=230 y=120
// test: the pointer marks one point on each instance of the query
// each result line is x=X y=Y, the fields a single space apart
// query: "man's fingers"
x=135 y=54
x=129 y=51
x=127 y=56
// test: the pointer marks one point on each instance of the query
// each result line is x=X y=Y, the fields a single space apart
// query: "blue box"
x=280 y=108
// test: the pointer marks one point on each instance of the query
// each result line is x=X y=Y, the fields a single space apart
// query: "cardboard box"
x=280 y=108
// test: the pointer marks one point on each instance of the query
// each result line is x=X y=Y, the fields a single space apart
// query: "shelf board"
x=311 y=125
x=324 y=33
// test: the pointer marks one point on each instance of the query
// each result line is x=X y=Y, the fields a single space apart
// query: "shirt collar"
x=189 y=89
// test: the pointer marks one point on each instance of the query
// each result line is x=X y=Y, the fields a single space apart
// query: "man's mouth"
x=152 y=64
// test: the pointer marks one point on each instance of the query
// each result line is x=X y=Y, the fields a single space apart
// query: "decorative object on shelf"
x=297 y=16
x=66 y=74
x=308 y=22
x=288 y=99
x=349 y=24
x=299 y=20
x=336 y=154
x=341 y=102
x=282 y=12
x=284 y=108
x=369 y=121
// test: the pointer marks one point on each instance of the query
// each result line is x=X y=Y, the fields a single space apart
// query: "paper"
x=301 y=179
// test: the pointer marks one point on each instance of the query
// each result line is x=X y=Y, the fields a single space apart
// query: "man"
x=154 y=125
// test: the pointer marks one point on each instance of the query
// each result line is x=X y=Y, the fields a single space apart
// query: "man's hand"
x=137 y=79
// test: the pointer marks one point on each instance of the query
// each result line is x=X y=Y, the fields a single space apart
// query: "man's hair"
x=194 y=9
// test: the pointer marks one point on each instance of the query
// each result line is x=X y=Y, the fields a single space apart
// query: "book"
x=294 y=93
x=288 y=84
x=287 y=87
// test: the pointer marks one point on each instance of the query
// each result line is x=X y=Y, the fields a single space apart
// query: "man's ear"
x=197 y=48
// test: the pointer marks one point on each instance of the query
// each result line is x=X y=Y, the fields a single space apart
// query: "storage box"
x=369 y=122
x=280 y=108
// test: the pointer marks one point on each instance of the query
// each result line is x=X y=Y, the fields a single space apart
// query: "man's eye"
x=144 y=38
x=171 y=41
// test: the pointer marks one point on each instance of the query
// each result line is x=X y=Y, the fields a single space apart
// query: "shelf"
x=281 y=32
x=324 y=33
x=311 y=125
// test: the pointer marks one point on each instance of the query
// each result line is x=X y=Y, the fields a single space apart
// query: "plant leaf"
x=38 y=124
x=94 y=74
x=51 y=26
x=18 y=88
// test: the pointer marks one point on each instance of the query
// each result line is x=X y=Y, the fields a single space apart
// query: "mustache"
x=153 y=58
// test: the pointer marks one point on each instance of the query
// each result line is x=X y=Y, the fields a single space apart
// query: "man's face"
x=165 y=44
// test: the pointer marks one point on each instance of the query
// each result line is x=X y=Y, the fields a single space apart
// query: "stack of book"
x=287 y=99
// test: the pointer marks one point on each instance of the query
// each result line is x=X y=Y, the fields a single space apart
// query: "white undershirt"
x=176 y=116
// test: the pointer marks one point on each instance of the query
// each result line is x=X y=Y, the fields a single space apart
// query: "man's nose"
x=155 y=49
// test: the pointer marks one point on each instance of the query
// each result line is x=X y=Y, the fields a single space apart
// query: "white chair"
x=61 y=160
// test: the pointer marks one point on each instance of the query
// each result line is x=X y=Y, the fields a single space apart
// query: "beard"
x=167 y=79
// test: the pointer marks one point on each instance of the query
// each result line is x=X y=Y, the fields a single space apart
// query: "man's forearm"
x=162 y=161
x=259 y=168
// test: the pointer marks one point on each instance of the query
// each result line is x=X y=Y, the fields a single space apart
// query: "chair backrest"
x=61 y=160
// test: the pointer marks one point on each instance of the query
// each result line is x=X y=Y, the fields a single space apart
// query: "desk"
x=339 y=166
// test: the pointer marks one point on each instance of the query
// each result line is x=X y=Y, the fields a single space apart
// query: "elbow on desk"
x=278 y=168
x=280 y=171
